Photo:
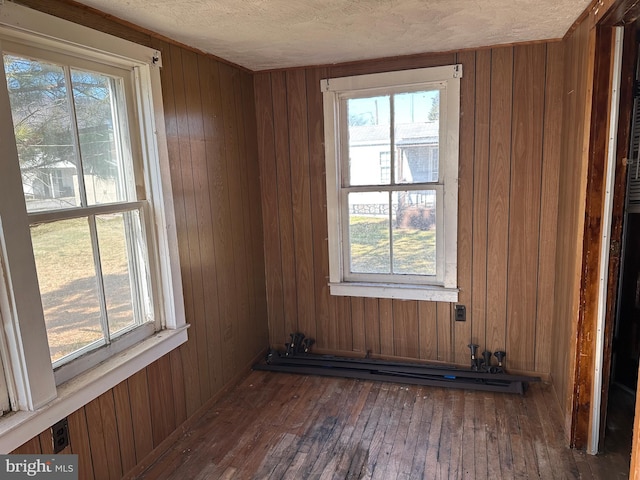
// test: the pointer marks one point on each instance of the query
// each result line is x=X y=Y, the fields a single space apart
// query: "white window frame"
x=446 y=78
x=36 y=399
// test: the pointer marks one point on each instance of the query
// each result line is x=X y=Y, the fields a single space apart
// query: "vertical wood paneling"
x=506 y=205
x=200 y=128
x=182 y=181
x=549 y=204
x=578 y=81
x=30 y=447
x=318 y=192
x=499 y=194
x=243 y=200
x=102 y=435
x=177 y=382
x=405 y=329
x=392 y=64
x=300 y=198
x=232 y=326
x=194 y=182
x=344 y=323
x=140 y=413
x=526 y=174
x=462 y=330
x=481 y=197
x=163 y=420
x=109 y=433
x=285 y=209
x=270 y=217
x=46 y=442
x=372 y=325
x=221 y=217
x=256 y=328
x=428 y=330
x=188 y=355
x=79 y=439
x=386 y=326
x=444 y=332
x=124 y=423
x=358 y=324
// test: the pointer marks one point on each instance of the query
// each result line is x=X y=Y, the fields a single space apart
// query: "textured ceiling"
x=266 y=34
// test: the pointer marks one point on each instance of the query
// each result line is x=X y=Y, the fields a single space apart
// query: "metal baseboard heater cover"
x=388 y=371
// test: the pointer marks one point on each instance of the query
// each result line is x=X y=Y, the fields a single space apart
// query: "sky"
x=409 y=108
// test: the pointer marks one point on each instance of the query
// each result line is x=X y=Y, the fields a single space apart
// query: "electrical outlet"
x=60 y=433
x=461 y=313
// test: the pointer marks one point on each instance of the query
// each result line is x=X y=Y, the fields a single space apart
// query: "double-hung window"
x=391 y=149
x=90 y=286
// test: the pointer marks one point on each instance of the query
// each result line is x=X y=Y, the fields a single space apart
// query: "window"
x=385 y=167
x=89 y=239
x=90 y=286
x=391 y=148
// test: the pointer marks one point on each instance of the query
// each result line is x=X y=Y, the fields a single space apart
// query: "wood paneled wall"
x=511 y=116
x=579 y=52
x=211 y=131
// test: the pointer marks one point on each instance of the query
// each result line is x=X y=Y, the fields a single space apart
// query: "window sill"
x=431 y=293
x=19 y=427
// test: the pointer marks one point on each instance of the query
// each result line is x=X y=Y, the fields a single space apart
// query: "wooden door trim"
x=594 y=202
x=587 y=316
x=630 y=51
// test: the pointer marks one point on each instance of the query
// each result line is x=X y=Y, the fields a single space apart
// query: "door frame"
x=617 y=214
x=602 y=227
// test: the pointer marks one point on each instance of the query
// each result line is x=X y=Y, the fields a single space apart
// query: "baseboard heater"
x=389 y=371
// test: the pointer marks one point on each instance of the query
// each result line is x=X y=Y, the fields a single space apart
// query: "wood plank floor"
x=284 y=426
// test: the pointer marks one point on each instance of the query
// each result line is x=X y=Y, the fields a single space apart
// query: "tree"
x=42 y=115
x=360 y=119
x=434 y=112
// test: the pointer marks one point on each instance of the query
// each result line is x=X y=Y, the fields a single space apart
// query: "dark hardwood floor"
x=281 y=426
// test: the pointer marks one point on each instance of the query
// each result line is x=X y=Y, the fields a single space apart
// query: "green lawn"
x=68 y=285
x=414 y=250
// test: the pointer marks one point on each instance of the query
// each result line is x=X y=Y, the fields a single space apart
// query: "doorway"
x=624 y=273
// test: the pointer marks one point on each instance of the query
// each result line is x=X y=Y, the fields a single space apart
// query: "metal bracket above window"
x=156 y=59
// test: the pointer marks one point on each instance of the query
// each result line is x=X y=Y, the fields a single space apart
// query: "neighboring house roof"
x=405 y=134
x=60 y=165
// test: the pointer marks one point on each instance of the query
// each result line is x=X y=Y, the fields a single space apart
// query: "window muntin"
x=94 y=280
x=392 y=234
x=391 y=151
x=71 y=125
x=385 y=167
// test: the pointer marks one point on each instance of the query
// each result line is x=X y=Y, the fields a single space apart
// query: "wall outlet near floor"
x=60 y=433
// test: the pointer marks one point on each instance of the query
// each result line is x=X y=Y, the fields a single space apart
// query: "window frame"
x=335 y=90
x=67 y=367
x=37 y=402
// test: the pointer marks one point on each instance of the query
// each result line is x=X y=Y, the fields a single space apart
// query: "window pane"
x=44 y=136
x=124 y=270
x=67 y=278
x=416 y=135
x=414 y=232
x=369 y=138
x=369 y=232
x=104 y=141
